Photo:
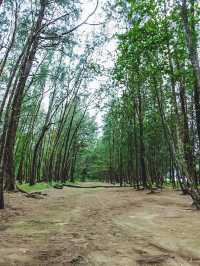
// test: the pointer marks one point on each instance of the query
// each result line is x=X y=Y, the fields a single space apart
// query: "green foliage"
x=141 y=124
x=37 y=187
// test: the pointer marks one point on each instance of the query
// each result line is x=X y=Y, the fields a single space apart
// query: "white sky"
x=104 y=55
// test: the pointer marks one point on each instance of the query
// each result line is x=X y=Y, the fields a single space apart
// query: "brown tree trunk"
x=2 y=65
x=191 y=41
x=187 y=146
x=142 y=147
x=1 y=187
x=25 y=69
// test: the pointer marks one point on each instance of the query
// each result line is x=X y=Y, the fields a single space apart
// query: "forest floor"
x=103 y=226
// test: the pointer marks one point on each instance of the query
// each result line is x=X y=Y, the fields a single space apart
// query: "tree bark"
x=27 y=62
x=191 y=42
x=142 y=147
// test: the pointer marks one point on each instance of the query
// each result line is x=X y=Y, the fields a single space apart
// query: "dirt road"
x=108 y=227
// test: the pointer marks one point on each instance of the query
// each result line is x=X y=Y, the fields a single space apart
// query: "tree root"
x=58 y=186
x=153 y=260
x=195 y=195
x=153 y=192
x=34 y=195
x=77 y=186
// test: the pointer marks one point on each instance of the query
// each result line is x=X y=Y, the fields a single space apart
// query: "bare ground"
x=101 y=226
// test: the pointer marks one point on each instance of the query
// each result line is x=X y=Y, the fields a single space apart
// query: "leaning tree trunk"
x=187 y=146
x=35 y=153
x=25 y=69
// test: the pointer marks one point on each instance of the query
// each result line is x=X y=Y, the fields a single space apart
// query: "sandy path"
x=100 y=227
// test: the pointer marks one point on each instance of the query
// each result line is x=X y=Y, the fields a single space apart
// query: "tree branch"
x=74 y=28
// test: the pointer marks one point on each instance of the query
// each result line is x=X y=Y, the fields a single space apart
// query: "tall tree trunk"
x=1 y=187
x=187 y=146
x=27 y=62
x=142 y=147
x=191 y=41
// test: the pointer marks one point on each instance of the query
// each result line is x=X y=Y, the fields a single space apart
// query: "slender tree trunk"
x=8 y=158
x=1 y=187
x=186 y=136
x=3 y=63
x=191 y=41
x=142 y=147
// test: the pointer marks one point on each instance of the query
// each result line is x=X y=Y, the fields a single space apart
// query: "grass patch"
x=36 y=187
x=41 y=186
